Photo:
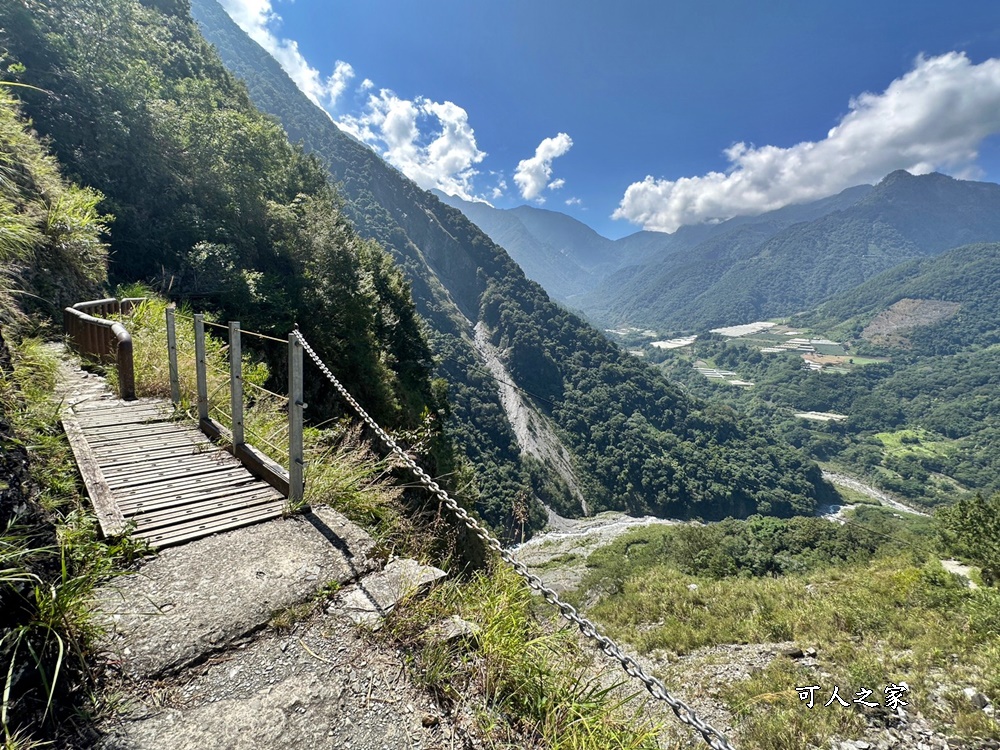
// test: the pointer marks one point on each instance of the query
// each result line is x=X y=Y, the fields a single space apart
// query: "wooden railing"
x=103 y=339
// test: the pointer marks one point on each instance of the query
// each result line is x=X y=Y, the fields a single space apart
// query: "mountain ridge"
x=801 y=264
x=636 y=441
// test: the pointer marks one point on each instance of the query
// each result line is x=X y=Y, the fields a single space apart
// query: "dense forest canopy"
x=636 y=441
x=212 y=203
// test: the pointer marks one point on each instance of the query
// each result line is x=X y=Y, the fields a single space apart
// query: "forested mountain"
x=917 y=383
x=206 y=197
x=758 y=270
x=634 y=440
x=562 y=254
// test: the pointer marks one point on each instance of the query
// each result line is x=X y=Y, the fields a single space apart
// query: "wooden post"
x=236 y=382
x=201 y=366
x=296 y=459
x=175 y=380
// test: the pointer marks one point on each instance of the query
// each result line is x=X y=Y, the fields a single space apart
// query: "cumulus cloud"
x=932 y=118
x=533 y=175
x=430 y=142
x=258 y=19
x=573 y=201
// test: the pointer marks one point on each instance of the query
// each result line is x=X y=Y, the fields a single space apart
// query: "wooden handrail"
x=104 y=340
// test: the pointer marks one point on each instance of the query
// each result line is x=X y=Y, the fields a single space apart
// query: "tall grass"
x=50 y=562
x=531 y=678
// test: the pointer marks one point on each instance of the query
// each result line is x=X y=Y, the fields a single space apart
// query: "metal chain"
x=712 y=736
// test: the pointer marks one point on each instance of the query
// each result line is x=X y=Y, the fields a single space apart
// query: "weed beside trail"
x=519 y=673
x=50 y=562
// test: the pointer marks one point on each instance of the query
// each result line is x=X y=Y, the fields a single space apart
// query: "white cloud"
x=430 y=142
x=556 y=184
x=500 y=188
x=933 y=118
x=532 y=175
x=258 y=20
x=573 y=201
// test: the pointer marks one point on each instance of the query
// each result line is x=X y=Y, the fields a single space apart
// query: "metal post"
x=175 y=380
x=201 y=366
x=296 y=459
x=236 y=382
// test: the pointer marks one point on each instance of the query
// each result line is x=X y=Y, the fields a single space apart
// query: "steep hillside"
x=563 y=255
x=909 y=396
x=210 y=200
x=781 y=272
x=635 y=441
x=967 y=278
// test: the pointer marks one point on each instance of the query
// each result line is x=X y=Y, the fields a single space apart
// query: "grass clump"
x=50 y=558
x=531 y=677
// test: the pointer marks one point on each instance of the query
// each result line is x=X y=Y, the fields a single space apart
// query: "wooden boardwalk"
x=163 y=480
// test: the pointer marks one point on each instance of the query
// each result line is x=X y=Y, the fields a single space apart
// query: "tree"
x=971 y=529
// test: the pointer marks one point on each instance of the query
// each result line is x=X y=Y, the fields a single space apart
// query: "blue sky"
x=650 y=114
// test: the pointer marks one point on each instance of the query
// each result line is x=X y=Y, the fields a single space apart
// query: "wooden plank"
x=95 y=407
x=112 y=448
x=108 y=515
x=108 y=431
x=256 y=463
x=116 y=419
x=220 y=503
x=134 y=505
x=140 y=430
x=230 y=474
x=131 y=443
x=147 y=521
x=201 y=529
x=222 y=470
x=172 y=452
x=194 y=461
x=172 y=473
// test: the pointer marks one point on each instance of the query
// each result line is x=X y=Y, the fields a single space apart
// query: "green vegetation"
x=50 y=253
x=869 y=596
x=535 y=682
x=209 y=199
x=50 y=559
x=637 y=443
x=971 y=529
x=922 y=424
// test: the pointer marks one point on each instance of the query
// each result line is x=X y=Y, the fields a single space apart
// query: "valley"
x=759 y=451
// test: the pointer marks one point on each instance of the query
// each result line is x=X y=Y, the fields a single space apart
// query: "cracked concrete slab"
x=324 y=684
x=193 y=600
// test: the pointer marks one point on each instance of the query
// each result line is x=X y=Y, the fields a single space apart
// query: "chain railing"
x=684 y=713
